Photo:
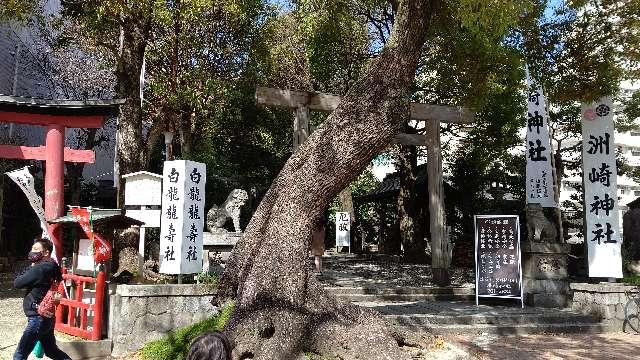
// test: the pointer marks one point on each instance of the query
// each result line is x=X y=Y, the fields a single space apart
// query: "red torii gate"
x=56 y=115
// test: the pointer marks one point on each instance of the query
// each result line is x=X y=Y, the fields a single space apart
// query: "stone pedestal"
x=544 y=274
x=217 y=249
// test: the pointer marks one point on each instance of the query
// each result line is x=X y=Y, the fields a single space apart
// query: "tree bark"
x=130 y=145
x=408 y=211
x=281 y=309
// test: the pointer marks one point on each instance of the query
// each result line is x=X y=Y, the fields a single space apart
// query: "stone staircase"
x=451 y=310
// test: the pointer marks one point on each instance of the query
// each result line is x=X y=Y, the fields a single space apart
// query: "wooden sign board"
x=142 y=188
x=497 y=255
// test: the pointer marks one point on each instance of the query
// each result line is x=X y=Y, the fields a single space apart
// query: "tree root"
x=323 y=326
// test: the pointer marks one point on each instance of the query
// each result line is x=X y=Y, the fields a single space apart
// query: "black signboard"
x=497 y=249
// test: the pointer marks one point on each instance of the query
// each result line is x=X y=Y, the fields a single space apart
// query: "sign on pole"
x=601 y=231
x=539 y=172
x=182 y=219
x=343 y=229
x=498 y=262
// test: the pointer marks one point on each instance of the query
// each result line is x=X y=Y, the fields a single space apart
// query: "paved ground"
x=347 y=272
x=593 y=347
x=12 y=319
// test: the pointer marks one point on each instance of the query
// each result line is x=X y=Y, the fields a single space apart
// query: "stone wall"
x=142 y=313
x=604 y=301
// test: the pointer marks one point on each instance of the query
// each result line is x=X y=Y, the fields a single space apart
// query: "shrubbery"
x=175 y=345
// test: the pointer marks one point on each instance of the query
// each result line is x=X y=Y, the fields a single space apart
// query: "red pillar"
x=54 y=182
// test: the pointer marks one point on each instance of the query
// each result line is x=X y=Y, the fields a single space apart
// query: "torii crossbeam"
x=303 y=101
x=56 y=115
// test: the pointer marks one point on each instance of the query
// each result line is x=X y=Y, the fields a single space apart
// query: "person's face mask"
x=35 y=256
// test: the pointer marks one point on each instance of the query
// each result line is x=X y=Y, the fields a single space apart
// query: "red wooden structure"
x=76 y=307
x=55 y=115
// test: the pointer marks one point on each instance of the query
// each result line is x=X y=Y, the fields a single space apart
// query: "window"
x=635 y=133
x=636 y=193
x=635 y=152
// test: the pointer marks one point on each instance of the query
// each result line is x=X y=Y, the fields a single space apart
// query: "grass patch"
x=631 y=279
x=175 y=345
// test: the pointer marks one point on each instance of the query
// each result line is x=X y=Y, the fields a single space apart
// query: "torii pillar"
x=302 y=101
x=56 y=116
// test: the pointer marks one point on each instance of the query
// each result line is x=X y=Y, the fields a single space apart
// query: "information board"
x=498 y=261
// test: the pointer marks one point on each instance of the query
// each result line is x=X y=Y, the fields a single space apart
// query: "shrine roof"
x=59 y=107
x=112 y=218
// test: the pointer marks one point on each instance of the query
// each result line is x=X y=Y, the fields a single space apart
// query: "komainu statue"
x=539 y=228
x=217 y=216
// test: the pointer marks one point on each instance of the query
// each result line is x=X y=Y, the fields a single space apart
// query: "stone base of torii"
x=301 y=102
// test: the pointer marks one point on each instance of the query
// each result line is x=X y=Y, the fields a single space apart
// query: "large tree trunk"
x=411 y=233
x=130 y=145
x=281 y=309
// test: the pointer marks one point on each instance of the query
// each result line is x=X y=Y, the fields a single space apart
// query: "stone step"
x=401 y=290
x=404 y=297
x=389 y=294
x=496 y=320
x=85 y=350
x=520 y=329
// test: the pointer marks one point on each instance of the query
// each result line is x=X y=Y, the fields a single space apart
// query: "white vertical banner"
x=343 y=229
x=539 y=173
x=182 y=220
x=24 y=180
x=601 y=229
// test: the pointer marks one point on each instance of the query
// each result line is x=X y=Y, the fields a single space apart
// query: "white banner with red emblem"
x=601 y=228
x=539 y=172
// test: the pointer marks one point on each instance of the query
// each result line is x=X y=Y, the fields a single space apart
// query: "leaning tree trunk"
x=281 y=309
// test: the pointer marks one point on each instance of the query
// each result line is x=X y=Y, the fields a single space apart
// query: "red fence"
x=73 y=308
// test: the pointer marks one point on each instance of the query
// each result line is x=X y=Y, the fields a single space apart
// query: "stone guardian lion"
x=217 y=216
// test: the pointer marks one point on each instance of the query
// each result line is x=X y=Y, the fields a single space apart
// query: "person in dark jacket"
x=37 y=281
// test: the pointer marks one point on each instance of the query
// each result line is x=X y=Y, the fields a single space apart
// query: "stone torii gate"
x=56 y=116
x=301 y=102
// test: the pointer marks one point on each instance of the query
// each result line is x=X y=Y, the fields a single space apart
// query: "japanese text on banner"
x=602 y=229
x=538 y=151
x=182 y=220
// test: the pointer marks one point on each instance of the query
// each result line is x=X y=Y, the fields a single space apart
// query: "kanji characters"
x=536 y=120
x=599 y=236
x=174 y=175
x=599 y=144
x=535 y=151
x=196 y=176
x=172 y=193
x=605 y=204
x=602 y=175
